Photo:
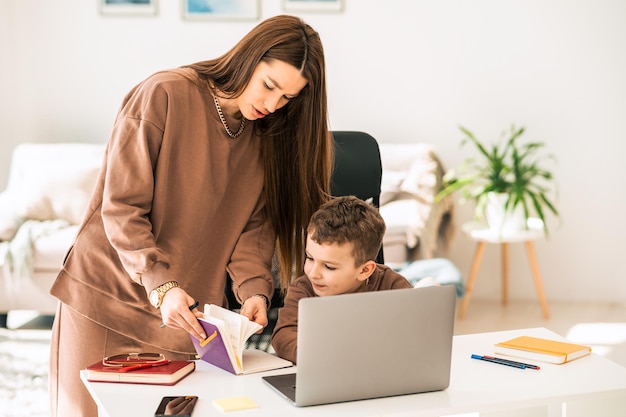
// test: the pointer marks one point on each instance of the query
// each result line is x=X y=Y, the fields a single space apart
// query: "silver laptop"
x=370 y=345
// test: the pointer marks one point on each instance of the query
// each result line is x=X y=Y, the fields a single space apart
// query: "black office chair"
x=357 y=171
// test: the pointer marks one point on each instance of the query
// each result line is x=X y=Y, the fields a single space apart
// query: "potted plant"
x=508 y=179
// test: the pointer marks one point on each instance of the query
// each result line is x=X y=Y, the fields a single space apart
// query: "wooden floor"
x=599 y=325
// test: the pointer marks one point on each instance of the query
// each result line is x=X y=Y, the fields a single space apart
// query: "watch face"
x=154 y=298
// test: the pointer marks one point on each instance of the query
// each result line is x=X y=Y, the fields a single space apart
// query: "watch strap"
x=162 y=289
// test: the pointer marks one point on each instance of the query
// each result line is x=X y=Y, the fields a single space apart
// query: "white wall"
x=404 y=71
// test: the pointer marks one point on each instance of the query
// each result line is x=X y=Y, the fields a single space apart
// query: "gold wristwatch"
x=157 y=294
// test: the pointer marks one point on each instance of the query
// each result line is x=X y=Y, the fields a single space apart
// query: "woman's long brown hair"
x=297 y=147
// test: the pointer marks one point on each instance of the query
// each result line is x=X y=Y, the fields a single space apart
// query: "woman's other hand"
x=255 y=309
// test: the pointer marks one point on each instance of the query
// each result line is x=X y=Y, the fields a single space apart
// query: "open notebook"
x=369 y=345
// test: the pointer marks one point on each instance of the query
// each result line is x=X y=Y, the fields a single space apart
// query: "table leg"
x=505 y=272
x=478 y=255
x=530 y=249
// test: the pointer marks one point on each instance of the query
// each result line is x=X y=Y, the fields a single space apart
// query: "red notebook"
x=168 y=374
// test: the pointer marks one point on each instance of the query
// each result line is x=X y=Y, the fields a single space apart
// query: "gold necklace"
x=242 y=126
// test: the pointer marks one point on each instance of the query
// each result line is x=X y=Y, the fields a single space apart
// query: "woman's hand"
x=175 y=312
x=255 y=309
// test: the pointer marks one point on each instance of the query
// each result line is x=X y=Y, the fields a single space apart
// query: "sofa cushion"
x=405 y=218
x=9 y=219
x=51 y=248
x=56 y=193
x=54 y=181
x=408 y=168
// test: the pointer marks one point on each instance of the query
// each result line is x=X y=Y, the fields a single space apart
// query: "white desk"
x=475 y=386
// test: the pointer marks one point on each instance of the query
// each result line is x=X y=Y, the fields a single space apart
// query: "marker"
x=206 y=341
x=513 y=364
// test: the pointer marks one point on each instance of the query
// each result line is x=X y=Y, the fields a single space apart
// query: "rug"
x=24 y=357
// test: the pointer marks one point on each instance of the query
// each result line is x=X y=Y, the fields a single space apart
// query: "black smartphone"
x=180 y=406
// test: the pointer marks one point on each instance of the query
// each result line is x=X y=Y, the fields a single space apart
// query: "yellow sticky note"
x=234 y=403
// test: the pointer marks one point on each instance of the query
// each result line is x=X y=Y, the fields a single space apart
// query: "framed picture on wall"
x=128 y=7
x=221 y=9
x=313 y=5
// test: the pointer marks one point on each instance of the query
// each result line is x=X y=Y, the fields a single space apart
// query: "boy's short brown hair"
x=349 y=219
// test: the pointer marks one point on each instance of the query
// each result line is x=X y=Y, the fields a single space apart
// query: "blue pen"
x=528 y=365
x=518 y=365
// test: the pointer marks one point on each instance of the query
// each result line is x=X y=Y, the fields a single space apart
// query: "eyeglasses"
x=132 y=359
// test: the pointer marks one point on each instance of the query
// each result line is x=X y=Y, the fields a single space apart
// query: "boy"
x=343 y=238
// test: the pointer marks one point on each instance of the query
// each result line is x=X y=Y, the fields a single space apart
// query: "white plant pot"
x=502 y=221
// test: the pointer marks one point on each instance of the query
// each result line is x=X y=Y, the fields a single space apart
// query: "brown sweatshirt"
x=175 y=189
x=285 y=335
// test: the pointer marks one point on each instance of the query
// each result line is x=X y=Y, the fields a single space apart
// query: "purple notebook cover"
x=215 y=351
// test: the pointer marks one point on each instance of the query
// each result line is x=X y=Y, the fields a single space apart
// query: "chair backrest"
x=358 y=169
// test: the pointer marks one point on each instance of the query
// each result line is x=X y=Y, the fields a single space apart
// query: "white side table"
x=482 y=235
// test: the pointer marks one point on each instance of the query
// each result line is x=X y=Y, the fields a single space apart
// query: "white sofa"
x=47 y=193
x=417 y=227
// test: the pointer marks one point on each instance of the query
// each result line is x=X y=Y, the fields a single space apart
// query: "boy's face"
x=331 y=269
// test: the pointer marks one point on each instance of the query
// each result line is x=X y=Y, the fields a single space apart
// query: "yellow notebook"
x=544 y=350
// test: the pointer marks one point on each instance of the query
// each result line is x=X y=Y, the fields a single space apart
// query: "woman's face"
x=272 y=85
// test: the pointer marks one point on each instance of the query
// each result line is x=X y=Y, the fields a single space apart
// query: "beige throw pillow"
x=54 y=181
x=53 y=191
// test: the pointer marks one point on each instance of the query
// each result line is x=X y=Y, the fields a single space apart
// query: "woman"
x=209 y=168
